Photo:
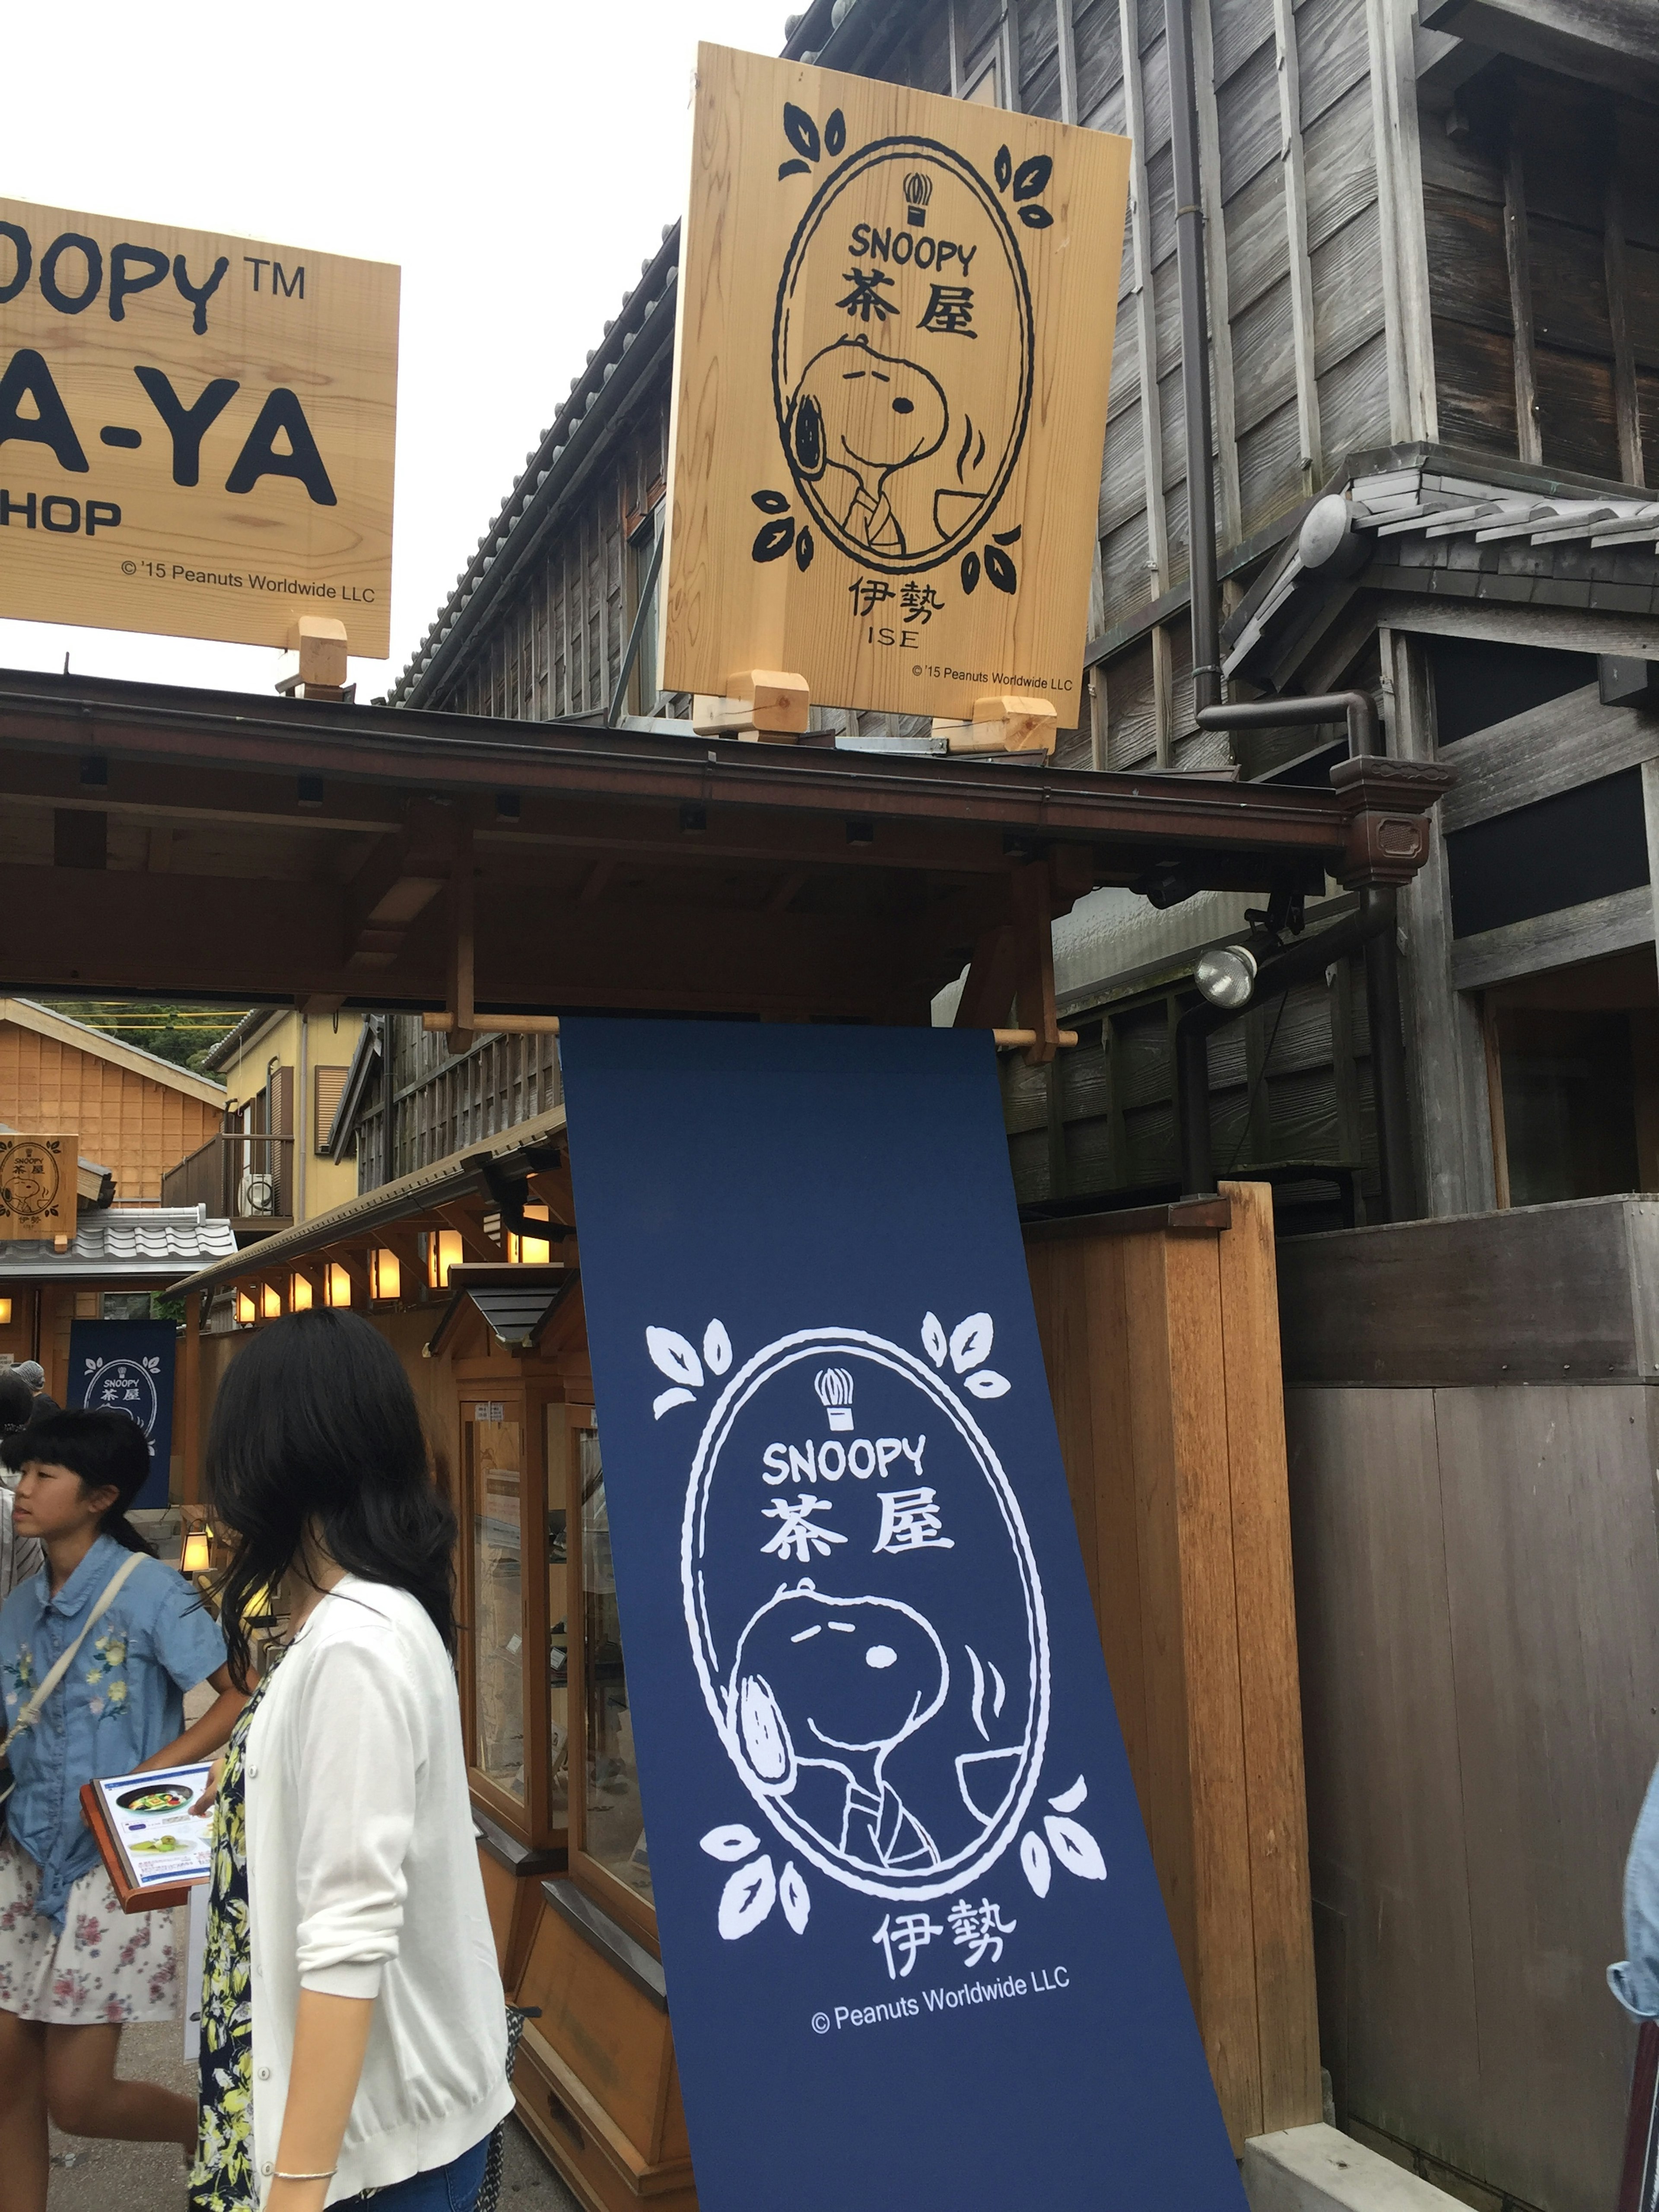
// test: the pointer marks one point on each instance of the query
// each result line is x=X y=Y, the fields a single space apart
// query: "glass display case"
x=610 y=1830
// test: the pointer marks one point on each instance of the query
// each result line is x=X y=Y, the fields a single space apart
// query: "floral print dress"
x=223 y=2179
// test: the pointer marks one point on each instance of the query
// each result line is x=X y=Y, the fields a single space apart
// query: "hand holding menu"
x=155 y=1849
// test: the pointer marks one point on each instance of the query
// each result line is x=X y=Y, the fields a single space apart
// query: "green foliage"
x=182 y=1033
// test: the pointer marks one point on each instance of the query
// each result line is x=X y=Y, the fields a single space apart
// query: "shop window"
x=495 y=1507
x=557 y=1418
x=613 y=1828
x=1573 y=1067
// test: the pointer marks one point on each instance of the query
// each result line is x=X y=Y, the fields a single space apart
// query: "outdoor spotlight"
x=1226 y=974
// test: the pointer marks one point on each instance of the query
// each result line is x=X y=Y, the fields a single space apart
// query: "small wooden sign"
x=894 y=342
x=37 y=1195
x=196 y=431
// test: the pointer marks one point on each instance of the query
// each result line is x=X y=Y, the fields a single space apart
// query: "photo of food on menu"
x=151 y=1841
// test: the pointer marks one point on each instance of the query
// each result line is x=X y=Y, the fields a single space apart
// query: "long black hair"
x=106 y=1448
x=315 y=1430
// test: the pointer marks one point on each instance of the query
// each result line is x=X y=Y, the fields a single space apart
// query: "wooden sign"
x=37 y=1195
x=896 y=316
x=196 y=431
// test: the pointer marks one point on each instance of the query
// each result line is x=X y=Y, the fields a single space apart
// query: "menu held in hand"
x=155 y=1849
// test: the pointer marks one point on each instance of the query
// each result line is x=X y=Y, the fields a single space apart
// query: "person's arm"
x=357 y=1746
x=203 y=1737
x=330 y=2035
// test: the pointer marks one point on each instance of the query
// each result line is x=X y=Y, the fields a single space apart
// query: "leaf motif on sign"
x=999 y=568
x=1004 y=168
x=770 y=503
x=747 y=1898
x=1032 y=177
x=1075 y=1848
x=804 y=550
x=716 y=1348
x=792 y=1890
x=1039 y=1867
x=673 y=1355
x=1034 y=217
x=800 y=131
x=971 y=1342
x=1069 y=1799
x=933 y=1338
x=668 y=1400
x=970 y=572
x=733 y=1841
x=988 y=1383
x=793 y=169
x=773 y=541
x=834 y=131
x=1003 y=537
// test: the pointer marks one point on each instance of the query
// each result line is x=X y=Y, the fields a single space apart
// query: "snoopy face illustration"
x=867 y=411
x=829 y=1682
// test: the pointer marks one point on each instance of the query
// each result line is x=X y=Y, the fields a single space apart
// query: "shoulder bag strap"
x=60 y=1667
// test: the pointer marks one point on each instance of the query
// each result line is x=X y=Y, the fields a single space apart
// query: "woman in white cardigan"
x=354 y=2028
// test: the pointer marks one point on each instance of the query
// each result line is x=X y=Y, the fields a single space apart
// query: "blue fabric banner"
x=916 y=1950
x=128 y=1365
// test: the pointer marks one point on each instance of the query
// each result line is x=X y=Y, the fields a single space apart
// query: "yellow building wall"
x=304 y=1043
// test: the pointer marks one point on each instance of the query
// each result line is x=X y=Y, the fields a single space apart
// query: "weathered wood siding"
x=427 y=1102
x=555 y=648
x=1541 y=203
x=1297 y=305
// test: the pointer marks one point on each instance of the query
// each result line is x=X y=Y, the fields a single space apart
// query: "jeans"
x=452 y=2187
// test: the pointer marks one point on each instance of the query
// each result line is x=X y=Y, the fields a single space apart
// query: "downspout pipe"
x=1195 y=358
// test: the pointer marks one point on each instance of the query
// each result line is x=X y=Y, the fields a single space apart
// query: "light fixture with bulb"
x=197 y=1558
x=1226 y=976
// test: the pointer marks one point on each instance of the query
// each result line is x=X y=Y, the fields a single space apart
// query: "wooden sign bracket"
x=769 y=706
x=317 y=644
x=1004 y=722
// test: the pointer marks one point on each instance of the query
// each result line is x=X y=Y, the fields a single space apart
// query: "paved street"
x=92 y=2176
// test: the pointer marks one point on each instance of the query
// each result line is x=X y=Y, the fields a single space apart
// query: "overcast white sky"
x=518 y=161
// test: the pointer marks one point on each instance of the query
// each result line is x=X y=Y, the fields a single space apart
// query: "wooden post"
x=190 y=1416
x=1162 y=1348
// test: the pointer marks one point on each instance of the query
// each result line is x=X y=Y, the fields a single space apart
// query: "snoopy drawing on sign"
x=869 y=414
x=821 y=1692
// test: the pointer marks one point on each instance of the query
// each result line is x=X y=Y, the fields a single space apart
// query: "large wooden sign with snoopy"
x=895 y=344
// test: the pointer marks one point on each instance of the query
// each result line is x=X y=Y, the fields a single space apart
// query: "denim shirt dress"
x=121 y=1702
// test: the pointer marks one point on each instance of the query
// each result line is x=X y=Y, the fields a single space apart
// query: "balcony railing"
x=245 y=1180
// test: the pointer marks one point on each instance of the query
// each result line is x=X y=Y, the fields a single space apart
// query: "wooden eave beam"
x=425 y=753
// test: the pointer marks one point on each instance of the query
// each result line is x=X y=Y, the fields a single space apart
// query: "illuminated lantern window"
x=197 y=1558
x=386 y=1276
x=443 y=1252
x=245 y=1311
x=299 y=1294
x=5 y=1312
x=337 y=1284
x=270 y=1301
x=530 y=1251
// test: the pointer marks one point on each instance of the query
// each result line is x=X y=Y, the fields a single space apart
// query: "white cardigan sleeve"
x=359 y=1753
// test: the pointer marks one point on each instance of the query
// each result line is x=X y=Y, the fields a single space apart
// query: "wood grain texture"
x=1288 y=2026
x=763 y=451
x=1176 y=1466
x=199 y=545
x=1548 y=1505
x=1388 y=1851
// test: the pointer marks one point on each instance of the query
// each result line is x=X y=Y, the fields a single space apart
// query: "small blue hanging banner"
x=916 y=1950
x=128 y=1365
